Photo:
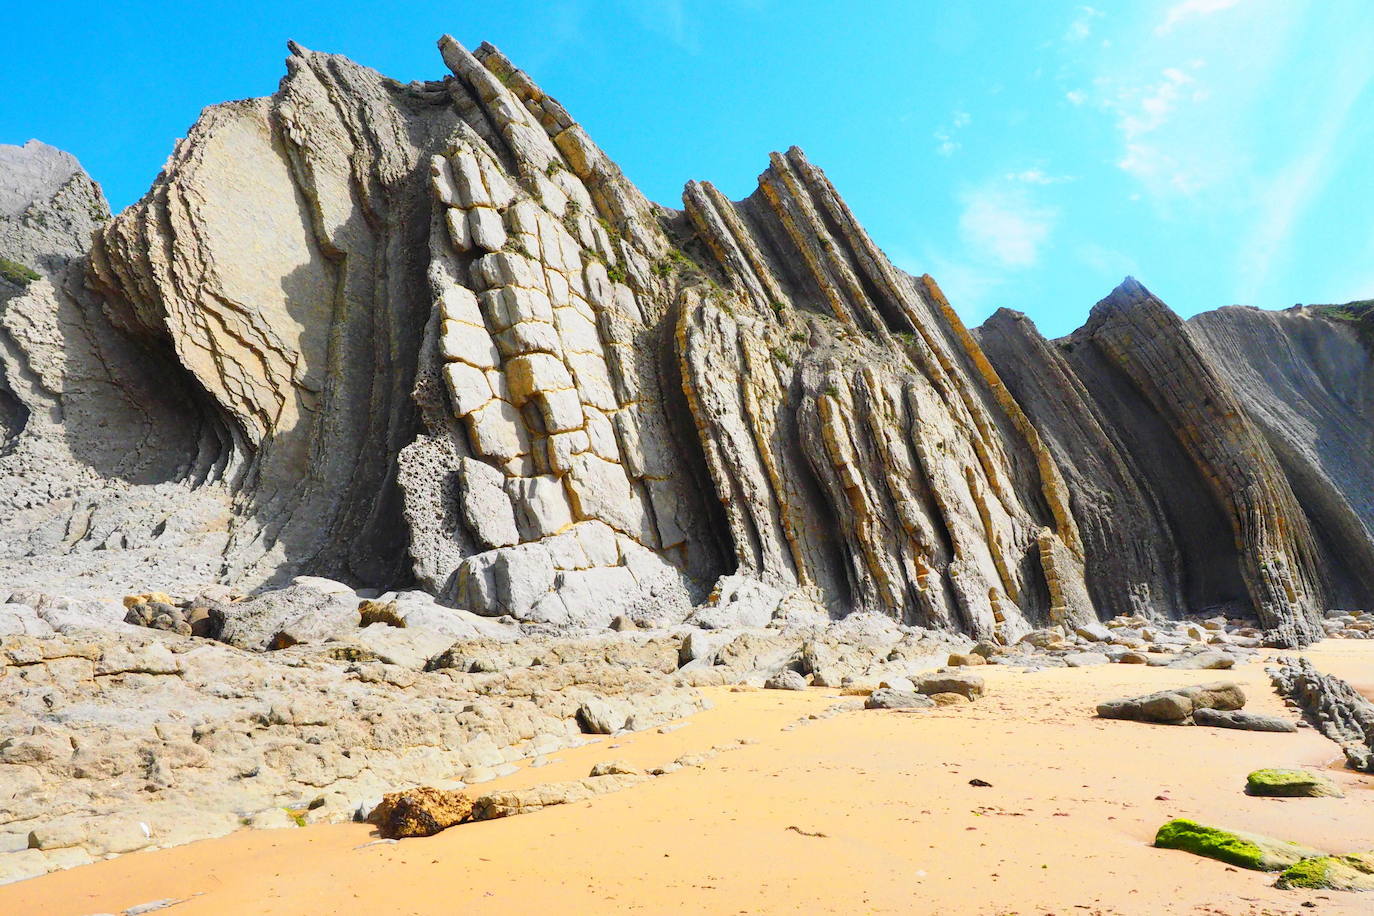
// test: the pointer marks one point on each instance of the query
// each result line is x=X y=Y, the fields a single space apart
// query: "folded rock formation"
x=429 y=334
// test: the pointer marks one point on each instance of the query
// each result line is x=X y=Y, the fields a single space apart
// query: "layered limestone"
x=429 y=335
x=1197 y=455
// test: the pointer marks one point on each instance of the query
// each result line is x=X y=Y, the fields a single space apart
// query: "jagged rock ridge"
x=389 y=332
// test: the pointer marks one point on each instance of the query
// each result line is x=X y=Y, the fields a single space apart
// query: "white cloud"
x=1076 y=97
x=1006 y=224
x=1190 y=9
x=1082 y=25
x=1163 y=157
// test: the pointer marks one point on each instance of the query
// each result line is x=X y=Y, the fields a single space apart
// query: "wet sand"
x=862 y=812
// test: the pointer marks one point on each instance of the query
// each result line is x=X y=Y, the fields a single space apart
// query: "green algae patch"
x=1291 y=784
x=1331 y=873
x=1246 y=850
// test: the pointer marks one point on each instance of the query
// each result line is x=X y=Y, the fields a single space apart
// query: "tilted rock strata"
x=1196 y=455
x=429 y=332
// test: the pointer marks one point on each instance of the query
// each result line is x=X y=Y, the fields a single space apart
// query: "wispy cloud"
x=1192 y=9
x=1289 y=194
x=947 y=143
x=1037 y=176
x=1147 y=109
x=1005 y=224
x=1082 y=26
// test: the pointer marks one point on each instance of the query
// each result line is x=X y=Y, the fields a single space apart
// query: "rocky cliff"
x=428 y=334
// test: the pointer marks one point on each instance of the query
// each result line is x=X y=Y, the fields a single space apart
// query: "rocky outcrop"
x=119 y=741
x=1333 y=706
x=428 y=336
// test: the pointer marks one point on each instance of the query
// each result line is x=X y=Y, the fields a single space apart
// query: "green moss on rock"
x=1307 y=873
x=1290 y=784
x=1331 y=873
x=1247 y=850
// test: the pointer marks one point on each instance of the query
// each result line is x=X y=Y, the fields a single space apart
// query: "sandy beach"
x=861 y=811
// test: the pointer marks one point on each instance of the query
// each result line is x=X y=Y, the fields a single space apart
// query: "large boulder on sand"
x=1291 y=784
x=422 y=811
x=1175 y=706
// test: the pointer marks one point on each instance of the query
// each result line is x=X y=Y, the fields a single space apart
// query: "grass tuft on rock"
x=17 y=273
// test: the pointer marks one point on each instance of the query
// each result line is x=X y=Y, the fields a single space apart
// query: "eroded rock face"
x=428 y=335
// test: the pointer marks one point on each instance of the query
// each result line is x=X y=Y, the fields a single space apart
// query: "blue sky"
x=1026 y=154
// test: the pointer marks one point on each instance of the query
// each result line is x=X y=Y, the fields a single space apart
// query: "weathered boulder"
x=603 y=716
x=1093 y=631
x=967 y=684
x=1085 y=659
x=786 y=679
x=1203 y=661
x=1175 y=706
x=304 y=612
x=423 y=811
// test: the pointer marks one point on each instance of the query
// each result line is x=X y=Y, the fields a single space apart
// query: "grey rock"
x=786 y=680
x=1175 y=706
x=603 y=716
x=1249 y=721
x=1085 y=659
x=1093 y=631
x=966 y=684
x=887 y=698
x=1204 y=661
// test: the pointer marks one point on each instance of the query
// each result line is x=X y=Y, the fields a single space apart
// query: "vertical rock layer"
x=429 y=331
